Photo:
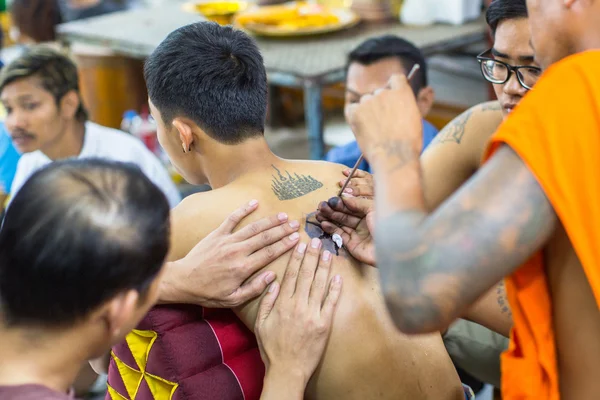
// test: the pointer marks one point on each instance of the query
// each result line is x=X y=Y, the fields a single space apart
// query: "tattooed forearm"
x=434 y=266
x=397 y=154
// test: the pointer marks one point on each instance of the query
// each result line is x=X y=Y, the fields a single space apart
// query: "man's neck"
x=36 y=356
x=227 y=163
x=68 y=143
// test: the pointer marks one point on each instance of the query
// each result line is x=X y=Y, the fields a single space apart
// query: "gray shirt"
x=104 y=7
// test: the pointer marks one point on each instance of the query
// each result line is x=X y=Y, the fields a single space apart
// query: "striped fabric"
x=187 y=352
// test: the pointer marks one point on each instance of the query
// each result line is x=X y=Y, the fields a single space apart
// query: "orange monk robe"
x=556 y=132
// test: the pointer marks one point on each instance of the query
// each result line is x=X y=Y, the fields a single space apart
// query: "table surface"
x=137 y=32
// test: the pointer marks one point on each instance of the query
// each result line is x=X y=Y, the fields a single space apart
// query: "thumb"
x=267 y=304
x=397 y=81
x=358 y=205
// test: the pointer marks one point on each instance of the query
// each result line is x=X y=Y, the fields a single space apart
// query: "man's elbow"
x=414 y=316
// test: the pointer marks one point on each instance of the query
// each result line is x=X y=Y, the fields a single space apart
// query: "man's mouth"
x=508 y=107
x=21 y=140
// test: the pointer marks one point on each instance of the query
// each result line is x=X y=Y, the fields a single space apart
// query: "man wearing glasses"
x=456 y=154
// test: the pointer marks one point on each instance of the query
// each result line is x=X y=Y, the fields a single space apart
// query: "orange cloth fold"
x=556 y=131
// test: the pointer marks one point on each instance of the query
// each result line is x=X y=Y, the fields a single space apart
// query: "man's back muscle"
x=367 y=357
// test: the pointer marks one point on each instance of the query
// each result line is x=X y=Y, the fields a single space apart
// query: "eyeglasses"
x=499 y=72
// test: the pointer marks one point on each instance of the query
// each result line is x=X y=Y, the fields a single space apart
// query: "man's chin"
x=28 y=146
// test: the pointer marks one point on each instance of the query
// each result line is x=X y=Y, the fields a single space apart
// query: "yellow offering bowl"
x=221 y=12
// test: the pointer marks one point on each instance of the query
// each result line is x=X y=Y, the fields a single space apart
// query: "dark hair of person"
x=501 y=10
x=213 y=75
x=387 y=46
x=78 y=233
x=56 y=71
x=36 y=18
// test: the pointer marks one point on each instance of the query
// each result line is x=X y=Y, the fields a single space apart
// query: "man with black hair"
x=208 y=93
x=456 y=154
x=47 y=120
x=369 y=67
x=82 y=251
x=527 y=215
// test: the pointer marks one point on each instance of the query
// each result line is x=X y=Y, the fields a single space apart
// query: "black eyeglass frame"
x=510 y=68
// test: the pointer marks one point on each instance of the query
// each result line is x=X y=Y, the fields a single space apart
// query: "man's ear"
x=425 y=100
x=186 y=135
x=119 y=312
x=69 y=104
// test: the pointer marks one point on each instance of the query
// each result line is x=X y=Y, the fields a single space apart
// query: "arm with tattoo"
x=433 y=266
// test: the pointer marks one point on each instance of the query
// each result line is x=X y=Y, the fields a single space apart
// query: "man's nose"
x=513 y=87
x=15 y=120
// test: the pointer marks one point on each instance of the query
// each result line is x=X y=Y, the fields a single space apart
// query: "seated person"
x=9 y=157
x=34 y=21
x=80 y=9
x=208 y=92
x=87 y=242
x=370 y=67
x=89 y=239
x=48 y=121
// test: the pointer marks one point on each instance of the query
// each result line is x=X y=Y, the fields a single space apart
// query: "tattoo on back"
x=455 y=131
x=313 y=230
x=287 y=186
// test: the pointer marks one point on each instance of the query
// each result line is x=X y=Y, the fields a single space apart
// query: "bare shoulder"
x=195 y=218
x=478 y=122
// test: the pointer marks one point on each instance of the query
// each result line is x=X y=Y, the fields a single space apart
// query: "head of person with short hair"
x=40 y=91
x=47 y=120
x=82 y=248
x=369 y=68
x=508 y=21
x=371 y=65
x=562 y=28
x=208 y=91
x=35 y=21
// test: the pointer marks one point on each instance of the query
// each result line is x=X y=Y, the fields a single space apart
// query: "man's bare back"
x=367 y=357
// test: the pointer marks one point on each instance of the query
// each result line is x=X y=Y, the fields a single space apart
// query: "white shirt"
x=111 y=144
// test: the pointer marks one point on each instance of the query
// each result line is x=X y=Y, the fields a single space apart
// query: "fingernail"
x=334 y=201
x=272 y=288
x=337 y=279
x=348 y=190
x=253 y=203
x=301 y=248
x=282 y=217
x=294 y=224
x=269 y=277
x=322 y=204
x=315 y=243
x=294 y=236
x=347 y=195
x=326 y=255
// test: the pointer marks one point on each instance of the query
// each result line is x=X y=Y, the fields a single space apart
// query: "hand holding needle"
x=412 y=72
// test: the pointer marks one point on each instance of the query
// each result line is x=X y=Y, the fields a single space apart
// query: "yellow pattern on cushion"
x=114 y=395
x=140 y=343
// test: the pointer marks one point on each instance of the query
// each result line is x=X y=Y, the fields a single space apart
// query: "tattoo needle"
x=412 y=72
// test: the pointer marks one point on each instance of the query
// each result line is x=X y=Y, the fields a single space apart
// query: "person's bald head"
x=560 y=28
x=78 y=235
